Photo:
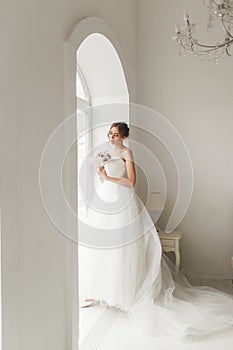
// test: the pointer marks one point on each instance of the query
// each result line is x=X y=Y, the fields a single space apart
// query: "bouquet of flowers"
x=101 y=158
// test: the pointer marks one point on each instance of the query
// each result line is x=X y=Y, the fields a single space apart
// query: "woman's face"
x=114 y=136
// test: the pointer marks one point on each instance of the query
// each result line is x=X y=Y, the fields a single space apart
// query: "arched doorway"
x=94 y=75
x=100 y=80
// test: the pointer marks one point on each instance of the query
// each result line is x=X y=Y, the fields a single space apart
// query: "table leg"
x=177 y=254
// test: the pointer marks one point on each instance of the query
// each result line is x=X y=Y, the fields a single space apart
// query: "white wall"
x=193 y=95
x=32 y=105
x=121 y=16
x=196 y=97
x=102 y=68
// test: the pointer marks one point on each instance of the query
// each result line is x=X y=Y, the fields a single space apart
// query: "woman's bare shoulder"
x=127 y=154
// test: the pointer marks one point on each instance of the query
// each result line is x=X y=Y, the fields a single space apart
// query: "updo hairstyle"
x=122 y=127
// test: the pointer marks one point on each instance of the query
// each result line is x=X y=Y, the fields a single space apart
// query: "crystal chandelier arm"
x=224 y=26
x=221 y=4
x=188 y=30
x=228 y=52
x=186 y=36
x=208 y=46
x=216 y=3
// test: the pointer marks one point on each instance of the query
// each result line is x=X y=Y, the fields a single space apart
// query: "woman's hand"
x=102 y=173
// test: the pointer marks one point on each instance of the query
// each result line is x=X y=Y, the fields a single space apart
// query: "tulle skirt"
x=138 y=280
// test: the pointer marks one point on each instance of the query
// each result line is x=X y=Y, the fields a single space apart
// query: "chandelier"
x=188 y=42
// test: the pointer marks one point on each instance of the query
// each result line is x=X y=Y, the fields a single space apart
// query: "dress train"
x=136 y=278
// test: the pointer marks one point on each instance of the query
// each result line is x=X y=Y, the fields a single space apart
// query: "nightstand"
x=171 y=243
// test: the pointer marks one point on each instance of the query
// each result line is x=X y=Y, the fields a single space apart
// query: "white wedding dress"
x=123 y=267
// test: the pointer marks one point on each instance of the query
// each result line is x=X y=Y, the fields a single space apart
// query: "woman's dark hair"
x=122 y=127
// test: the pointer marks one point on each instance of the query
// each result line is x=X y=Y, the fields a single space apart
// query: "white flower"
x=101 y=158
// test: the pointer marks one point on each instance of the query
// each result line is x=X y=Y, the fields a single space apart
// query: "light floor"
x=108 y=329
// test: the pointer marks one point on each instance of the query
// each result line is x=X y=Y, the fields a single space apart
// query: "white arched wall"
x=74 y=39
x=103 y=71
x=120 y=91
x=107 y=86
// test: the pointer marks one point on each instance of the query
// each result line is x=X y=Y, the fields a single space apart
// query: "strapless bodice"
x=116 y=167
x=109 y=191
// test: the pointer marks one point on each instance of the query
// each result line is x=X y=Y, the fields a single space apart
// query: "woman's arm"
x=130 y=169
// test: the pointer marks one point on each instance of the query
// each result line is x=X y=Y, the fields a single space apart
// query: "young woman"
x=129 y=272
x=122 y=262
x=117 y=133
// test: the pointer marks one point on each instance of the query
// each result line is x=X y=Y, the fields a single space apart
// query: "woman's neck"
x=116 y=147
x=116 y=150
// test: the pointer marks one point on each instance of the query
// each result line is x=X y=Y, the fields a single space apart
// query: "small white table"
x=171 y=243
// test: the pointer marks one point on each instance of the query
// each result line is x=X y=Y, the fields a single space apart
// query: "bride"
x=129 y=271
